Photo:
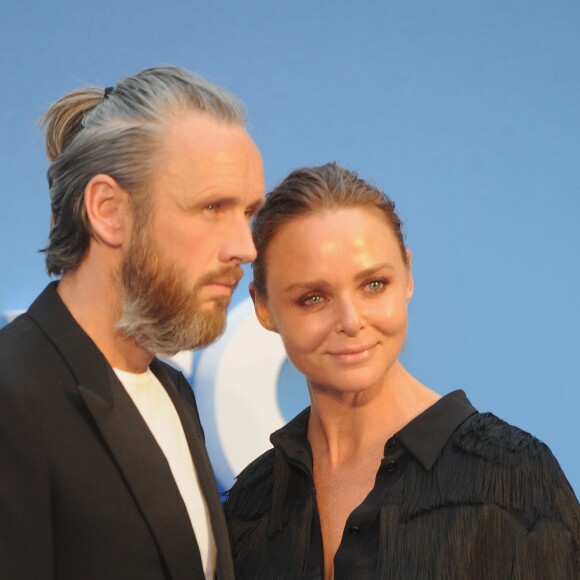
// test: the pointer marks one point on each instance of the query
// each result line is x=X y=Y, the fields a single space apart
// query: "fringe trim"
x=269 y=529
x=488 y=461
x=282 y=500
x=251 y=495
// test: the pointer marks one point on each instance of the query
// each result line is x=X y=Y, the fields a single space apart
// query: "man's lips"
x=229 y=283
x=227 y=278
x=224 y=286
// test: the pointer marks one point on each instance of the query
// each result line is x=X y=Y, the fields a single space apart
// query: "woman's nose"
x=350 y=318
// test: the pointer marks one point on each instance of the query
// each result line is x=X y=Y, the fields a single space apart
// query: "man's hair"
x=310 y=190
x=117 y=132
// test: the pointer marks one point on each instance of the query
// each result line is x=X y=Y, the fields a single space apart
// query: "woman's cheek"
x=392 y=316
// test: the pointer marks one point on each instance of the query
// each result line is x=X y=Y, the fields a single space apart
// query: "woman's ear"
x=410 y=283
x=261 y=308
x=108 y=210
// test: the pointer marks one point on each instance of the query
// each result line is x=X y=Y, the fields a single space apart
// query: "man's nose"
x=239 y=245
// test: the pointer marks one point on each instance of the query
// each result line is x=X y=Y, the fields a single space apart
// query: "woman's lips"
x=353 y=355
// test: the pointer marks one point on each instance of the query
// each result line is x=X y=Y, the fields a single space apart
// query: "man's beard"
x=159 y=312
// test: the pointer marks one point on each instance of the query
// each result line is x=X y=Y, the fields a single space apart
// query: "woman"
x=381 y=477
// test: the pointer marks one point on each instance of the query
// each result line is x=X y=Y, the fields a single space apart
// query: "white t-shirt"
x=160 y=415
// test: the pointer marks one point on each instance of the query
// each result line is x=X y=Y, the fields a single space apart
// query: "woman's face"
x=337 y=293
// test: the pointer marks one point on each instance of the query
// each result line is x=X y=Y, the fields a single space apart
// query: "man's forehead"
x=191 y=127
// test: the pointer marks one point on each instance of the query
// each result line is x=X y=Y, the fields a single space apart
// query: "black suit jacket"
x=85 y=491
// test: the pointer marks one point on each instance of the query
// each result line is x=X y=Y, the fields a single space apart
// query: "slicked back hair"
x=116 y=132
x=313 y=189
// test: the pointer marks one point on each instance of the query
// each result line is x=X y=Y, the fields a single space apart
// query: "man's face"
x=183 y=261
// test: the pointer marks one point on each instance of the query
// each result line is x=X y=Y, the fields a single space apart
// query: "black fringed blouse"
x=459 y=495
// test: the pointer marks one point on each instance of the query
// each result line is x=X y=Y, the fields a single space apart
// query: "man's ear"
x=108 y=210
x=261 y=308
x=410 y=283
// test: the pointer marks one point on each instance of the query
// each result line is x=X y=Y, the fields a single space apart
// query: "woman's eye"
x=312 y=300
x=376 y=285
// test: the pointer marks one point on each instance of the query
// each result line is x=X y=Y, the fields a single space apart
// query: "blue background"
x=466 y=113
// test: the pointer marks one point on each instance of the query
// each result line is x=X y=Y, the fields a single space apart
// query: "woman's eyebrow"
x=309 y=285
x=373 y=270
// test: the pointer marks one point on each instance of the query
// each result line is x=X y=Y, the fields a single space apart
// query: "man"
x=103 y=469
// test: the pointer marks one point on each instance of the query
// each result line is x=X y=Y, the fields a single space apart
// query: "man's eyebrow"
x=258 y=204
x=217 y=199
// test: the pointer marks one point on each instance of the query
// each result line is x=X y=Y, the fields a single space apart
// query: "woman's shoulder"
x=251 y=493
x=259 y=470
x=512 y=458
x=489 y=461
x=486 y=436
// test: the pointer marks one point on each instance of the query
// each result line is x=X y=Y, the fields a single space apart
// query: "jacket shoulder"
x=15 y=333
x=25 y=353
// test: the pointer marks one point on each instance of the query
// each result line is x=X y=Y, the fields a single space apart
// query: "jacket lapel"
x=132 y=445
x=184 y=402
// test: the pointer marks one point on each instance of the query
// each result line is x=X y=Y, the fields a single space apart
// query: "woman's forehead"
x=346 y=234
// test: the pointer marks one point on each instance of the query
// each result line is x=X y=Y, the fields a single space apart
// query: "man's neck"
x=93 y=299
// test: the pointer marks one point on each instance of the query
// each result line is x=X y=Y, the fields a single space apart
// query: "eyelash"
x=382 y=283
x=307 y=300
x=216 y=207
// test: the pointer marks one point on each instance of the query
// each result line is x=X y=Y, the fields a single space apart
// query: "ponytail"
x=64 y=119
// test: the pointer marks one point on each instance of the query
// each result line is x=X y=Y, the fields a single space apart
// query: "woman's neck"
x=342 y=425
